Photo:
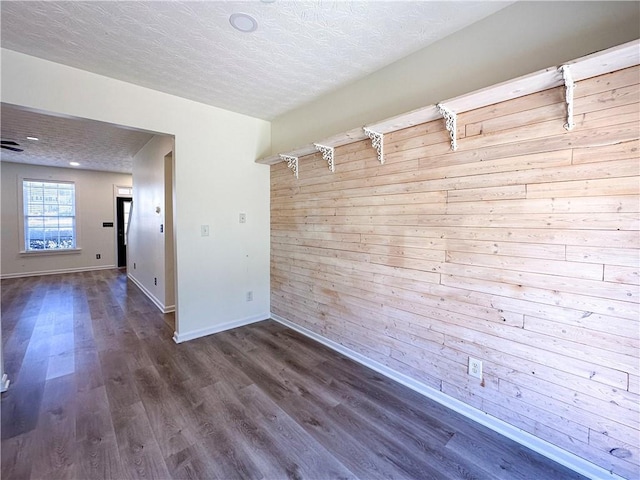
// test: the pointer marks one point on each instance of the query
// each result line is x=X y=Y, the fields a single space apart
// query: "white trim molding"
x=57 y=272
x=203 y=332
x=553 y=452
x=151 y=296
x=4 y=383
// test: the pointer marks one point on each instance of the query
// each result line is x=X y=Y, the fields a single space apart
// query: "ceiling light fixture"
x=74 y=164
x=243 y=22
x=35 y=139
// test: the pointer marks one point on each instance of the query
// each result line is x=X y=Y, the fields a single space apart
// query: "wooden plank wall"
x=520 y=249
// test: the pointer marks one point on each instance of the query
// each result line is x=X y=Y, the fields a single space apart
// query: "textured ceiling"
x=300 y=50
x=94 y=145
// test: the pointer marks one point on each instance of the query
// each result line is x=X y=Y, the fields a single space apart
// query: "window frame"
x=22 y=218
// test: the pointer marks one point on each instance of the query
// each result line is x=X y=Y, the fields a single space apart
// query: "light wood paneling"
x=520 y=249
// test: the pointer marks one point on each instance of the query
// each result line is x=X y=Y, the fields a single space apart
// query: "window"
x=49 y=215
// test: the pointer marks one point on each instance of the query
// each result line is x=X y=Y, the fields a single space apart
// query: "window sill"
x=61 y=251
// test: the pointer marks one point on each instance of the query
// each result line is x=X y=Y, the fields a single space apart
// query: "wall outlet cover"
x=475 y=368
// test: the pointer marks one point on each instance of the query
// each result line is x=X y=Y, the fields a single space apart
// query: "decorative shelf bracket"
x=569 y=86
x=327 y=155
x=377 y=142
x=292 y=163
x=450 y=119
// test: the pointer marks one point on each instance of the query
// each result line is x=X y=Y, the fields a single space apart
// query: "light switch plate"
x=204 y=230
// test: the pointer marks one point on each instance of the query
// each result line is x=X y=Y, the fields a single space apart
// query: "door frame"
x=122 y=191
x=121 y=239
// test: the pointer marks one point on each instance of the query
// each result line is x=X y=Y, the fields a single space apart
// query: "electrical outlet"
x=204 y=230
x=155 y=280
x=97 y=256
x=249 y=296
x=243 y=218
x=475 y=368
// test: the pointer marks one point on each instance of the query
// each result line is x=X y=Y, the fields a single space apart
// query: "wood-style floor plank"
x=98 y=454
x=100 y=391
x=17 y=456
x=194 y=463
x=121 y=386
x=55 y=453
x=171 y=431
x=139 y=451
x=304 y=455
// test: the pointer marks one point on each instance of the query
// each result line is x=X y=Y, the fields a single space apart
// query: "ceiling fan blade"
x=13 y=149
x=9 y=142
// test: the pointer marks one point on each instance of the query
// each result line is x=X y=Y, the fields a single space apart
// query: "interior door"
x=123 y=208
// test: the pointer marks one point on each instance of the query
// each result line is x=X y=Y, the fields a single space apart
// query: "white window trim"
x=60 y=251
x=63 y=251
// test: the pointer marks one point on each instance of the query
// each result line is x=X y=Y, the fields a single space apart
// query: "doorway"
x=123 y=209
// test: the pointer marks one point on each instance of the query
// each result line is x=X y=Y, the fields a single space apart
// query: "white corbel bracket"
x=377 y=142
x=450 y=119
x=569 y=86
x=292 y=163
x=327 y=155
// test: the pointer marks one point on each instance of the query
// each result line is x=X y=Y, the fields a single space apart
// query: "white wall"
x=146 y=246
x=94 y=205
x=215 y=179
x=520 y=39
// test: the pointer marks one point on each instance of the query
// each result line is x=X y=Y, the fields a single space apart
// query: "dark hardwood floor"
x=100 y=390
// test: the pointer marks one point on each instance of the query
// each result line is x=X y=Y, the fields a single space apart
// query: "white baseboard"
x=56 y=272
x=151 y=296
x=4 y=383
x=553 y=452
x=185 y=336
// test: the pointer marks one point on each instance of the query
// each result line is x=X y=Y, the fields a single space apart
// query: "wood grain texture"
x=258 y=402
x=521 y=249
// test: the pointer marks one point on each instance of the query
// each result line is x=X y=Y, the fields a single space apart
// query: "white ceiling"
x=300 y=50
x=94 y=145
